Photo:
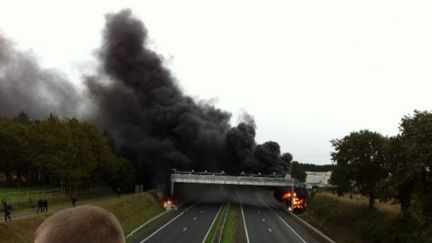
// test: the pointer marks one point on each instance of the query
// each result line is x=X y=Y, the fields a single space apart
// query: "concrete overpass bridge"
x=240 y=180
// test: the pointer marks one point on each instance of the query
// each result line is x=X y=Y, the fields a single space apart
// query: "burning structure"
x=295 y=203
x=168 y=204
x=296 y=200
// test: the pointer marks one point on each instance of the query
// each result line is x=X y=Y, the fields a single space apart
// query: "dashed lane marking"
x=184 y=229
x=269 y=230
x=165 y=225
x=211 y=226
x=297 y=234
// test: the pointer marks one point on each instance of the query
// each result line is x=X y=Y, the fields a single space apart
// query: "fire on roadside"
x=168 y=204
x=298 y=204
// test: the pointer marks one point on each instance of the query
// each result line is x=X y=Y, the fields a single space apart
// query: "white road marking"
x=195 y=218
x=152 y=219
x=165 y=225
x=313 y=228
x=301 y=238
x=184 y=229
x=269 y=230
x=244 y=223
x=263 y=219
x=208 y=232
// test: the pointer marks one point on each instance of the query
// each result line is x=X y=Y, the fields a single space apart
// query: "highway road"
x=263 y=221
x=189 y=226
x=266 y=221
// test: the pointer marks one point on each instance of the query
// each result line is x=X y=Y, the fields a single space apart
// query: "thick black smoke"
x=155 y=124
x=25 y=86
x=138 y=102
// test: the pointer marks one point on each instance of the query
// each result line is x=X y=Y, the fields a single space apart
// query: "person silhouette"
x=7 y=209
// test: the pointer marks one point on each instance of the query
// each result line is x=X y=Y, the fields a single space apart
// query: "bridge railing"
x=233 y=180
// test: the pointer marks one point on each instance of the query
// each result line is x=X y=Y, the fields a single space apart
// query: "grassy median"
x=131 y=211
x=230 y=230
x=215 y=228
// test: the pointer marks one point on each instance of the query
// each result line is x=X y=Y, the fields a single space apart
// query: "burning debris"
x=295 y=203
x=169 y=205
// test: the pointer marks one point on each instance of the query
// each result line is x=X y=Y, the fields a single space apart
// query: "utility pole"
x=292 y=186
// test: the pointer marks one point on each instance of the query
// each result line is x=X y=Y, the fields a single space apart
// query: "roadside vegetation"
x=231 y=230
x=227 y=227
x=131 y=211
x=216 y=228
x=392 y=174
x=61 y=153
x=392 y=169
x=351 y=220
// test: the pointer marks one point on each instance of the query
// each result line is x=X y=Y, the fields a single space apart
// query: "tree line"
x=388 y=168
x=60 y=152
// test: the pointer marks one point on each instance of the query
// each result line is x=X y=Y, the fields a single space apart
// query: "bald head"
x=80 y=224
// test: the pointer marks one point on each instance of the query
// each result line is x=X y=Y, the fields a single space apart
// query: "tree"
x=122 y=176
x=8 y=145
x=361 y=156
x=318 y=168
x=341 y=179
x=298 y=172
x=416 y=140
x=401 y=182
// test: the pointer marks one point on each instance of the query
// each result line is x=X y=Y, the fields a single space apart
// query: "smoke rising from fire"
x=139 y=103
x=25 y=86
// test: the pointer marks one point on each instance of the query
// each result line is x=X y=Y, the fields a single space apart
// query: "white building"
x=320 y=179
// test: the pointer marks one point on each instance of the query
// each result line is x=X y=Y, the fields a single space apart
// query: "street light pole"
x=292 y=186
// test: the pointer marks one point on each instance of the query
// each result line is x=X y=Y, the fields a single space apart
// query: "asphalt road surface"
x=188 y=226
x=264 y=220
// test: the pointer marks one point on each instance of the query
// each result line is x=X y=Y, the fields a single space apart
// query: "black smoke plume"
x=25 y=86
x=139 y=103
x=155 y=124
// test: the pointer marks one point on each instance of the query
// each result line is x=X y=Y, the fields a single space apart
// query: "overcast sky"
x=308 y=71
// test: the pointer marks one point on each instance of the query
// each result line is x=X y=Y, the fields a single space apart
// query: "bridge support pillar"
x=172 y=189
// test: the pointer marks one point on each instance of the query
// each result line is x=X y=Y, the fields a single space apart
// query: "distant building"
x=317 y=179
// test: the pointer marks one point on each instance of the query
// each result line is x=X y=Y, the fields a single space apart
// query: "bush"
x=363 y=223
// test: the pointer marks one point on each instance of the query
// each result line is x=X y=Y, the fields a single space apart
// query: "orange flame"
x=298 y=204
x=168 y=204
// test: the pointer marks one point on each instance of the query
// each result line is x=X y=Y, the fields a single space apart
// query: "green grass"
x=25 y=198
x=25 y=193
x=229 y=231
x=131 y=211
x=9 y=189
x=350 y=221
x=214 y=229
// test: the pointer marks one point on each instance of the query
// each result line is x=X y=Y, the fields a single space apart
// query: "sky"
x=307 y=71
